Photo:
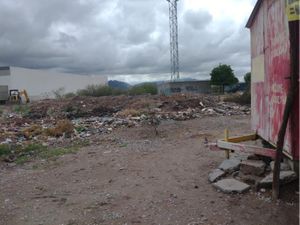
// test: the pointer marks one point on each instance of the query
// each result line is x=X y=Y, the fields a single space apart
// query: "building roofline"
x=253 y=14
x=4 y=67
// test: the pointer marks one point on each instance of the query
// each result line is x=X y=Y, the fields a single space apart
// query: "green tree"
x=247 y=79
x=223 y=75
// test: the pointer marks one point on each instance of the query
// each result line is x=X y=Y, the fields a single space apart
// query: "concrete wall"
x=4 y=76
x=184 y=87
x=41 y=83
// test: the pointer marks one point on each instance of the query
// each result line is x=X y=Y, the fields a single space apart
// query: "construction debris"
x=285 y=177
x=253 y=167
x=215 y=175
x=239 y=176
x=230 y=165
x=231 y=186
x=83 y=117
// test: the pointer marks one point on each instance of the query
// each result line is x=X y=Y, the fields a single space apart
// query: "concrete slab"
x=253 y=167
x=283 y=166
x=231 y=186
x=230 y=165
x=285 y=177
x=215 y=175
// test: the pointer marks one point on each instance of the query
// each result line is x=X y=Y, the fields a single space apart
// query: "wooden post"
x=294 y=64
x=226 y=135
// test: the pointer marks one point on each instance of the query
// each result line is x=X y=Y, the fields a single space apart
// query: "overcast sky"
x=124 y=37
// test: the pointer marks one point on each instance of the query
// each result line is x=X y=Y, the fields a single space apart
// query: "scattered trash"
x=56 y=122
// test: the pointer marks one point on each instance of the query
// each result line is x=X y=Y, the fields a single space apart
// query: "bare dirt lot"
x=132 y=176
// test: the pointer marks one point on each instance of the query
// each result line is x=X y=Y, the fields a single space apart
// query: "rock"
x=231 y=186
x=283 y=166
x=7 y=141
x=262 y=190
x=253 y=167
x=285 y=177
x=230 y=165
x=215 y=175
x=45 y=144
x=249 y=178
x=137 y=118
x=220 y=110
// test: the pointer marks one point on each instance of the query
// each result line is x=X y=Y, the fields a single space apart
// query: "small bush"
x=4 y=149
x=33 y=148
x=243 y=99
x=63 y=127
x=22 y=109
x=147 y=88
x=32 y=131
x=99 y=90
x=70 y=95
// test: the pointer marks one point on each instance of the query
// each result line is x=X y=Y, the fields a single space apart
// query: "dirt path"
x=133 y=177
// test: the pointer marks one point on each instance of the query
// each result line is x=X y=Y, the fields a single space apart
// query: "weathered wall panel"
x=270 y=40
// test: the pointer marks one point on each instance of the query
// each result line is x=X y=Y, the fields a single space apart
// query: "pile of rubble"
x=169 y=106
x=238 y=176
x=82 y=117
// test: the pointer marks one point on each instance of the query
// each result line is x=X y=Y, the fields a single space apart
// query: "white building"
x=42 y=83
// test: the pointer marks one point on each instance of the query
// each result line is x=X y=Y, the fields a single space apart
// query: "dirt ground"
x=132 y=176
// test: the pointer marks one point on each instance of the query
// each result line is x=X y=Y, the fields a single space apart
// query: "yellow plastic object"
x=25 y=94
x=292 y=10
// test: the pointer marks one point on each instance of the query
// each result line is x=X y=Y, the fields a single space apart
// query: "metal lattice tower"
x=174 y=56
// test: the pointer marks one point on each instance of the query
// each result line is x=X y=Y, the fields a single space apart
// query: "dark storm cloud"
x=115 y=37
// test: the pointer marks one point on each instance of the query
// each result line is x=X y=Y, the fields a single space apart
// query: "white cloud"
x=112 y=37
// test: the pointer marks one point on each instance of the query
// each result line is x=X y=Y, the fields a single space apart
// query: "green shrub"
x=146 y=88
x=99 y=90
x=4 y=149
x=243 y=99
x=33 y=148
x=22 y=109
x=70 y=95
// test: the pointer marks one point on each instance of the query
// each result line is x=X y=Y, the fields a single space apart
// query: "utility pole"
x=174 y=56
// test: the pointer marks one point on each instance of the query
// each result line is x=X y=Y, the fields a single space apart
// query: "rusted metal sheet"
x=270 y=55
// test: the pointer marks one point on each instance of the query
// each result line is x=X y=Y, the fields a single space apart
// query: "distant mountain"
x=118 y=84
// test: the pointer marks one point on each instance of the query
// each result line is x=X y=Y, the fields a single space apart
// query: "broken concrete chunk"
x=285 y=177
x=253 y=167
x=215 y=175
x=249 y=178
x=230 y=165
x=231 y=186
x=283 y=166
